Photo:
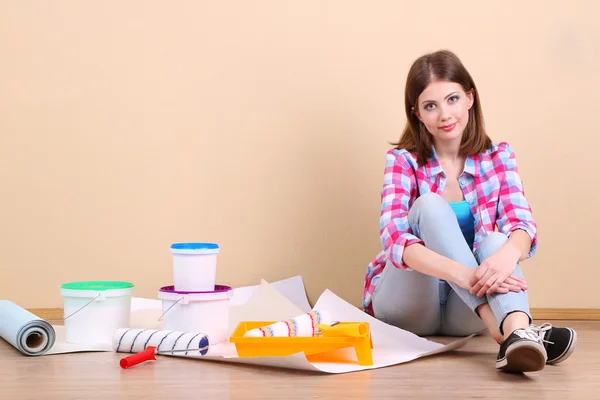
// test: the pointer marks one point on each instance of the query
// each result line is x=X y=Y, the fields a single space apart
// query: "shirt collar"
x=433 y=167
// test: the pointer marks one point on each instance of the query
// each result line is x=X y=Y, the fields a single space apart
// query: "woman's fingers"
x=481 y=270
x=518 y=282
x=505 y=287
x=493 y=282
x=476 y=289
x=517 y=278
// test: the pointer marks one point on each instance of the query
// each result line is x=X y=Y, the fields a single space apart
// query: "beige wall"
x=128 y=125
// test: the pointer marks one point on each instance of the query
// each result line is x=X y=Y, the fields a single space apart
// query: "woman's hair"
x=441 y=65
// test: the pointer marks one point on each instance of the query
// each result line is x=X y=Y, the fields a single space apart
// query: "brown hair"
x=440 y=65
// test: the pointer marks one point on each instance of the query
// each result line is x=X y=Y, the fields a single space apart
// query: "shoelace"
x=540 y=332
x=528 y=333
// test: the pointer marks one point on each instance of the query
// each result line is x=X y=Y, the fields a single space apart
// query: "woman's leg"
x=459 y=321
x=409 y=300
x=435 y=223
x=432 y=220
x=511 y=311
x=505 y=304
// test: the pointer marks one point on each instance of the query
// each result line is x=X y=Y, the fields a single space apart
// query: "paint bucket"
x=194 y=266
x=200 y=312
x=94 y=310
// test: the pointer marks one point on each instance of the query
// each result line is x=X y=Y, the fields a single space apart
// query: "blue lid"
x=194 y=246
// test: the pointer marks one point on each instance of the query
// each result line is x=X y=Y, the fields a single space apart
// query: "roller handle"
x=138 y=358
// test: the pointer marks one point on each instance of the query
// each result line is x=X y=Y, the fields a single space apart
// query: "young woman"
x=444 y=269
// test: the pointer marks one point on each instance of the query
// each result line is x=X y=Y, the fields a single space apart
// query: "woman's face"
x=443 y=107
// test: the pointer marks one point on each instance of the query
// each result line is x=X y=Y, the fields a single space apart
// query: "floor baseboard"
x=579 y=314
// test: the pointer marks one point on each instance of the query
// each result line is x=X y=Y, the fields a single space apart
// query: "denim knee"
x=429 y=205
x=491 y=244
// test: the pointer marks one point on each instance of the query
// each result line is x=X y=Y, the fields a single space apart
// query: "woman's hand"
x=513 y=283
x=495 y=271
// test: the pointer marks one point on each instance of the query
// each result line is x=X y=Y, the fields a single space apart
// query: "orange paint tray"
x=342 y=335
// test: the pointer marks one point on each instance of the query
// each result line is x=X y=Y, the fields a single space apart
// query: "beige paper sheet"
x=62 y=347
x=282 y=300
x=391 y=345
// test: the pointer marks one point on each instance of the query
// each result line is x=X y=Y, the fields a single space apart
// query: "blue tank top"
x=466 y=221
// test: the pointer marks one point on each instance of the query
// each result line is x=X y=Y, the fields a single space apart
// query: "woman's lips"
x=448 y=128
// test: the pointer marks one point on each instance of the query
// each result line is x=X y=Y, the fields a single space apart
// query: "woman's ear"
x=416 y=112
x=471 y=97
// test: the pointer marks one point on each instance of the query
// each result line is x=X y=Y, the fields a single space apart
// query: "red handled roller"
x=142 y=356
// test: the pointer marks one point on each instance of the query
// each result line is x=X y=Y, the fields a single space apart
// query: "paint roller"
x=302 y=325
x=146 y=343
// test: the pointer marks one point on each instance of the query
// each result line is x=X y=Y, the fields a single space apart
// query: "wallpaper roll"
x=183 y=343
x=25 y=331
x=302 y=325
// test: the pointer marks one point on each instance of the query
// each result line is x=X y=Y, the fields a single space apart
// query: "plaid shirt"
x=490 y=183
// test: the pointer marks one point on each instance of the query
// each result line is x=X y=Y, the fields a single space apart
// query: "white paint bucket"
x=198 y=312
x=194 y=266
x=94 y=310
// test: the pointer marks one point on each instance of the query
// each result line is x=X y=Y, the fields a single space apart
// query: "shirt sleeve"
x=399 y=184
x=514 y=211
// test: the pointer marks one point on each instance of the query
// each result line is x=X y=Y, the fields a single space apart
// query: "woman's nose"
x=444 y=113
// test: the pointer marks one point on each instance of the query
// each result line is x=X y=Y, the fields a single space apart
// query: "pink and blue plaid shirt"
x=490 y=183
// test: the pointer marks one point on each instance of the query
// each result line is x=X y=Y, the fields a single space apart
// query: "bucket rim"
x=96 y=286
x=218 y=289
x=95 y=294
x=169 y=294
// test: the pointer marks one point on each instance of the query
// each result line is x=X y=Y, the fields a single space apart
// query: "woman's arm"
x=428 y=262
x=514 y=220
x=520 y=241
x=421 y=259
x=514 y=212
x=399 y=187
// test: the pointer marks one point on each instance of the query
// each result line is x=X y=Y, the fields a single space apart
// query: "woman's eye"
x=453 y=99
x=430 y=106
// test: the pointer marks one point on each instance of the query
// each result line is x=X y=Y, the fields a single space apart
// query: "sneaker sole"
x=569 y=350
x=523 y=357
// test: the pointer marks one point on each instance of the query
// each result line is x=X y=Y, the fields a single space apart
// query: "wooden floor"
x=466 y=373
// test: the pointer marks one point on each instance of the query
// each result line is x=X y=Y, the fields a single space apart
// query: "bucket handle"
x=172 y=305
x=88 y=303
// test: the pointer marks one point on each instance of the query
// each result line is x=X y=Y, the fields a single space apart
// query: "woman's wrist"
x=513 y=251
x=460 y=274
x=518 y=244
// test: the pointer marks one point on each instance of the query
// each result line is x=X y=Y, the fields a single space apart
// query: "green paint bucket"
x=94 y=310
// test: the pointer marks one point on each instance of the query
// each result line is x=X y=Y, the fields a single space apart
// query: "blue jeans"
x=426 y=305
